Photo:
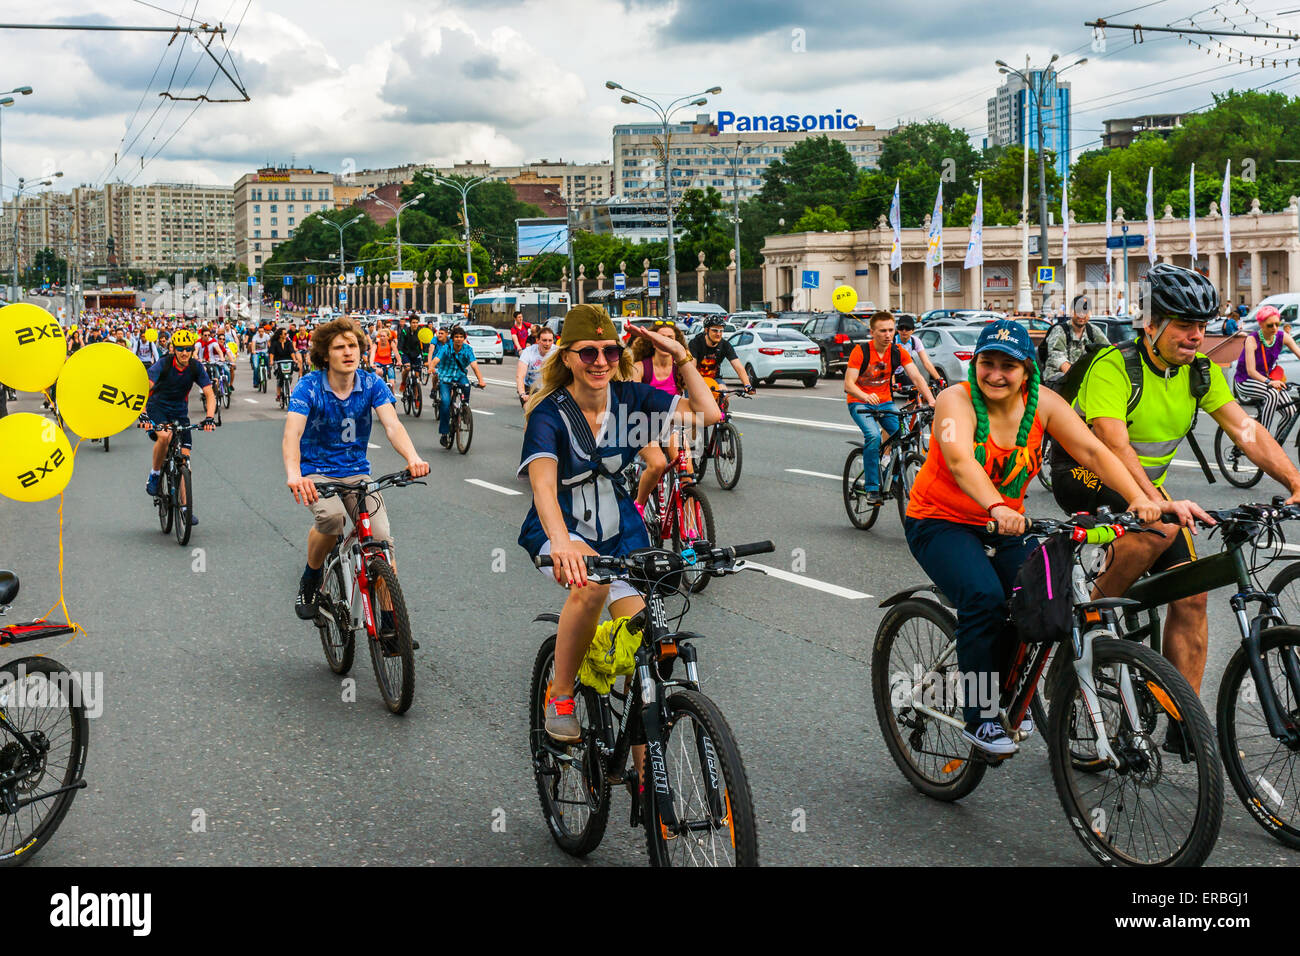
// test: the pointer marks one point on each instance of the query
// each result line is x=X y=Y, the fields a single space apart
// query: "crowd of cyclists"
x=1114 y=414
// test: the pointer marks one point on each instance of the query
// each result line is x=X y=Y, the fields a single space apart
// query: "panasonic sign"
x=789 y=123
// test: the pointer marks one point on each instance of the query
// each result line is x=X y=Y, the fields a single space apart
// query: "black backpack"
x=1042 y=343
x=1042 y=604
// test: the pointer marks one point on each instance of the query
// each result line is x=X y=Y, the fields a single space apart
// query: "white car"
x=486 y=343
x=769 y=354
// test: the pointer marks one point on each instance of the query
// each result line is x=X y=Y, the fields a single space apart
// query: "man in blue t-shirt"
x=326 y=434
x=170 y=381
x=451 y=361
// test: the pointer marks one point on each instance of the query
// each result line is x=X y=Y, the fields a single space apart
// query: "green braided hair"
x=1013 y=487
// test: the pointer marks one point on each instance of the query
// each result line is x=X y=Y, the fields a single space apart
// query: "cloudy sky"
x=359 y=85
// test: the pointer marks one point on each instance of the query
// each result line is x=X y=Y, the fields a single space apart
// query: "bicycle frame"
x=668 y=493
x=357 y=545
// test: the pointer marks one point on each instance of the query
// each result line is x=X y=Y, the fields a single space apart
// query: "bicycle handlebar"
x=706 y=559
x=398 y=479
x=144 y=422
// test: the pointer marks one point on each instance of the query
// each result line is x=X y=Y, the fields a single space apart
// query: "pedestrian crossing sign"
x=1046 y=274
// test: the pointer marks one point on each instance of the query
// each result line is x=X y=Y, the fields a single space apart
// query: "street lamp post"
x=397 y=212
x=343 y=272
x=9 y=101
x=665 y=114
x=1044 y=77
x=735 y=203
x=46 y=180
x=462 y=186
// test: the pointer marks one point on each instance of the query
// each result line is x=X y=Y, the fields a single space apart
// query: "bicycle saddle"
x=8 y=587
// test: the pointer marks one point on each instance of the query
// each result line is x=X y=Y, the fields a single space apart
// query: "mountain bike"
x=1233 y=463
x=220 y=386
x=357 y=583
x=43 y=737
x=412 y=394
x=696 y=807
x=175 y=497
x=899 y=465
x=721 y=443
x=460 y=419
x=677 y=511
x=283 y=381
x=1128 y=801
x=260 y=361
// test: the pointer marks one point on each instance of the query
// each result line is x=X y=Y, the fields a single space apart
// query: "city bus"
x=497 y=307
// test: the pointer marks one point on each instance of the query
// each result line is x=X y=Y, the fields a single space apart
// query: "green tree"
x=816 y=172
x=822 y=219
x=314 y=247
x=1003 y=177
x=705 y=228
x=937 y=146
x=874 y=194
x=493 y=209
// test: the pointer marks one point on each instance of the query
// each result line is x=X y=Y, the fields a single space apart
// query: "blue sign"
x=252 y=281
x=811 y=278
x=343 y=295
x=620 y=281
x=359 y=272
x=288 y=280
x=1119 y=242
x=861 y=272
x=652 y=279
x=311 y=280
x=776 y=123
x=385 y=303
x=309 y=298
x=1046 y=274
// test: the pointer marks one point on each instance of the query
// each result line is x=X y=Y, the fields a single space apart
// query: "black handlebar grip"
x=758 y=547
x=544 y=561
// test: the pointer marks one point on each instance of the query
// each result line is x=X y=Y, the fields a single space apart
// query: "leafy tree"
x=314 y=247
x=1003 y=177
x=822 y=219
x=818 y=171
x=937 y=146
x=705 y=228
x=493 y=209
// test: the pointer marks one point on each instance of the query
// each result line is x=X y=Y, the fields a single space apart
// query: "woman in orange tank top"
x=986 y=449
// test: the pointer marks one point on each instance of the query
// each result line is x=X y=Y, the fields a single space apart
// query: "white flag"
x=1065 y=226
x=975 y=248
x=1151 y=217
x=896 y=253
x=935 y=257
x=1108 y=228
x=1225 y=207
x=1191 y=218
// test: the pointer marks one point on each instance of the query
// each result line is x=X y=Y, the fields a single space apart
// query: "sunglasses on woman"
x=668 y=322
x=588 y=355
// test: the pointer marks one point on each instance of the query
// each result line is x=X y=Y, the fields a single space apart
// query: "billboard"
x=537 y=237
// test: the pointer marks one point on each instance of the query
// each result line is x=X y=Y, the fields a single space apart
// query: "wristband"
x=683 y=362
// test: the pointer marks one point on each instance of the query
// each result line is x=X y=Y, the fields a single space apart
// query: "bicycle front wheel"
x=914 y=664
x=393 y=657
x=1287 y=588
x=417 y=400
x=1262 y=769
x=862 y=514
x=1163 y=805
x=464 y=429
x=1233 y=463
x=337 y=637
x=695 y=523
x=727 y=461
x=571 y=780
x=40 y=698
x=183 y=506
x=912 y=464
x=711 y=797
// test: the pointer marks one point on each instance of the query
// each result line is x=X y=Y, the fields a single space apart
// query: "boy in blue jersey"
x=326 y=434
x=451 y=361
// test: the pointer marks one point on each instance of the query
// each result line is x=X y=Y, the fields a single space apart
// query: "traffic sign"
x=1130 y=241
x=652 y=282
x=401 y=279
x=311 y=280
x=811 y=279
x=620 y=281
x=343 y=295
x=252 y=281
x=288 y=280
x=1046 y=274
x=342 y=277
x=358 y=272
x=385 y=303
x=470 y=279
x=277 y=303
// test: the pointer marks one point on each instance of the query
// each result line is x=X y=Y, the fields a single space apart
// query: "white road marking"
x=497 y=381
x=808 y=582
x=251 y=401
x=479 y=411
x=815 y=474
x=807 y=423
x=491 y=487
x=371 y=444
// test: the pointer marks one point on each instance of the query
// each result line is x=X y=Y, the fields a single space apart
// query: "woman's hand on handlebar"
x=1009 y=521
x=1147 y=511
x=569 y=563
x=304 y=490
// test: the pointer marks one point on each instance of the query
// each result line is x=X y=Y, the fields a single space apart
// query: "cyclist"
x=212 y=353
x=871 y=394
x=170 y=380
x=1067 y=342
x=281 y=350
x=906 y=337
x=1259 y=378
x=440 y=338
x=978 y=469
x=1175 y=382
x=409 y=347
x=146 y=351
x=582 y=426
x=528 y=371
x=519 y=332
x=301 y=346
x=259 y=342
x=653 y=366
x=456 y=358
x=383 y=353
x=326 y=437
x=709 y=351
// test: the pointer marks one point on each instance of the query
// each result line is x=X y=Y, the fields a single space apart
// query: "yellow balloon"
x=32 y=347
x=102 y=390
x=234 y=349
x=71 y=329
x=425 y=336
x=845 y=298
x=151 y=335
x=35 y=457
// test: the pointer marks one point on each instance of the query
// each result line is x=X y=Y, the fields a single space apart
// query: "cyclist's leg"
x=578 y=620
x=863 y=418
x=1267 y=396
x=655 y=465
x=888 y=418
x=444 y=406
x=953 y=556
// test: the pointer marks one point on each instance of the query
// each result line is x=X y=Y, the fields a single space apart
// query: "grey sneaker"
x=992 y=739
x=874 y=497
x=561 y=720
x=1026 y=727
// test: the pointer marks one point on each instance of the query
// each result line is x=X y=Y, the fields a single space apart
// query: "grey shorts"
x=617 y=589
x=330 y=512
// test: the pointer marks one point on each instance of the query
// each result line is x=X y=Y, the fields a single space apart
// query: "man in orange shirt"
x=870 y=397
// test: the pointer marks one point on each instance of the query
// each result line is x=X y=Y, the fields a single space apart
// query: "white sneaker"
x=1026 y=727
x=992 y=739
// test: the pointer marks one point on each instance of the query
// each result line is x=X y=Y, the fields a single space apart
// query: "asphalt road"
x=221 y=717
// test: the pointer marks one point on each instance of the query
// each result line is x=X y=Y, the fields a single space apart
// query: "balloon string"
x=61 y=603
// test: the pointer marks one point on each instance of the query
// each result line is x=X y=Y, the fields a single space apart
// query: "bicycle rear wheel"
x=1262 y=769
x=164 y=500
x=394 y=660
x=417 y=400
x=727 y=461
x=915 y=655
x=695 y=523
x=182 y=523
x=711 y=797
x=571 y=780
x=40 y=698
x=912 y=463
x=337 y=637
x=862 y=515
x=464 y=429
x=1158 y=808
x=1233 y=463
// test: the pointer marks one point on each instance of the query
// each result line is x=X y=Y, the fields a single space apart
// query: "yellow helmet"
x=183 y=339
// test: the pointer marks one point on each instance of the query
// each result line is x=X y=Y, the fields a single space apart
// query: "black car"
x=836 y=334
